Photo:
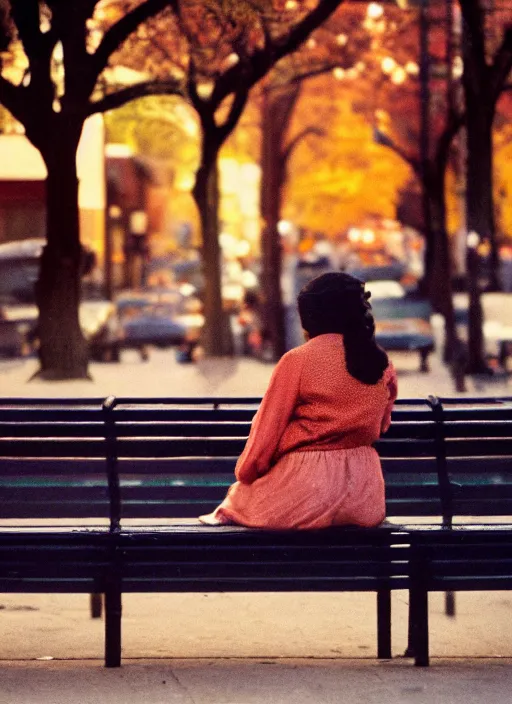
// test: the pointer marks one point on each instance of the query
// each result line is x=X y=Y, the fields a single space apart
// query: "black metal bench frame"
x=117 y=558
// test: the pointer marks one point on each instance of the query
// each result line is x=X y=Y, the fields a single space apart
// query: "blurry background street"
x=162 y=375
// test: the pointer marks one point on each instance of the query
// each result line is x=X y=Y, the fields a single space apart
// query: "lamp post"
x=475 y=312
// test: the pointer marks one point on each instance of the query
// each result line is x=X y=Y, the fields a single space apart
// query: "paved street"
x=256 y=682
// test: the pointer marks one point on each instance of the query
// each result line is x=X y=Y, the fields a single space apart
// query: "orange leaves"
x=337 y=180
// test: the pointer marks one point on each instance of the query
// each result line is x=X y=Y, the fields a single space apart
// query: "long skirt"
x=307 y=490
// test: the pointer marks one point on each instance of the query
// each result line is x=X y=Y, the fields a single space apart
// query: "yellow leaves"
x=336 y=181
x=161 y=127
x=503 y=179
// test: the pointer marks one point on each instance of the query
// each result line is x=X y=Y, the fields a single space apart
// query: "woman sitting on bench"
x=309 y=461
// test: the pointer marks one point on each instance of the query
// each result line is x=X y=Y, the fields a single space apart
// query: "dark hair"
x=336 y=302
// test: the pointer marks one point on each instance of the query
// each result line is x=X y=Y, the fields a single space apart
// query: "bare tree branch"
x=6 y=33
x=139 y=90
x=38 y=46
x=314 y=72
x=386 y=141
x=502 y=65
x=122 y=29
x=11 y=97
x=25 y=14
x=235 y=112
x=455 y=122
x=275 y=49
x=70 y=22
x=303 y=29
x=201 y=105
x=473 y=36
x=294 y=143
x=307 y=74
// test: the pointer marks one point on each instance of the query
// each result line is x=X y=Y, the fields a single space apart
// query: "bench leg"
x=113 y=609
x=418 y=605
x=424 y=365
x=96 y=605
x=503 y=354
x=409 y=651
x=449 y=604
x=384 y=624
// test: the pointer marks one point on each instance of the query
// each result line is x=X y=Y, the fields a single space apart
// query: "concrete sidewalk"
x=255 y=625
x=245 y=648
x=163 y=376
x=256 y=682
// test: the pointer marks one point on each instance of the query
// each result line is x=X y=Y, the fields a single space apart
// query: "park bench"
x=172 y=459
x=475 y=458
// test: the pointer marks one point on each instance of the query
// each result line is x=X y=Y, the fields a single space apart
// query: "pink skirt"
x=307 y=490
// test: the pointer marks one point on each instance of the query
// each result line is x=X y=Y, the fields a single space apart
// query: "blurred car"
x=189 y=271
x=402 y=322
x=161 y=318
x=102 y=330
x=385 y=289
x=371 y=266
x=98 y=321
x=19 y=270
x=151 y=328
x=12 y=341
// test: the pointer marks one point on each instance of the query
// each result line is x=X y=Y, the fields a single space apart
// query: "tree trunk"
x=439 y=278
x=277 y=108
x=478 y=80
x=270 y=203
x=274 y=319
x=63 y=352
x=429 y=259
x=476 y=347
x=480 y=201
x=480 y=219
x=217 y=337
x=480 y=108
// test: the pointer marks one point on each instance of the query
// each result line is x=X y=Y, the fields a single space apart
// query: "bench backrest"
x=159 y=458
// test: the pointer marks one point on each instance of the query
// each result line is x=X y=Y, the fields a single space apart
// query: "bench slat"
x=491 y=447
x=161 y=428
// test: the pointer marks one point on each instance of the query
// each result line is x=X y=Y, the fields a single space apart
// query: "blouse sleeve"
x=270 y=420
x=392 y=385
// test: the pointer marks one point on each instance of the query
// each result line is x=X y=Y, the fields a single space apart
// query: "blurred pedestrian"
x=250 y=321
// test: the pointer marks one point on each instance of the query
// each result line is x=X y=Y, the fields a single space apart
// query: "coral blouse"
x=313 y=403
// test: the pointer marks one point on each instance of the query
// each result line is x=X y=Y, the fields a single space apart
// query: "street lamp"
x=475 y=313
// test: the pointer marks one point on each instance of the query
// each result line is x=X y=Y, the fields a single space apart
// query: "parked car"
x=12 y=342
x=161 y=318
x=19 y=270
x=98 y=320
x=402 y=323
x=370 y=266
